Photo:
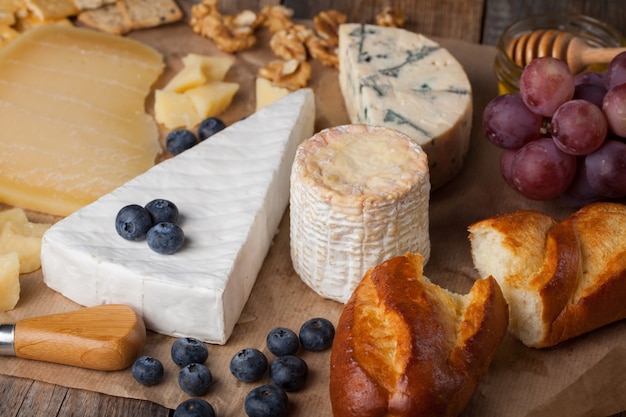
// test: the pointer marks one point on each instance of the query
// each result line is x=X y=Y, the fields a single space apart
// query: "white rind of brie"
x=403 y=80
x=231 y=191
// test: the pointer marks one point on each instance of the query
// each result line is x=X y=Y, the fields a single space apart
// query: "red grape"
x=606 y=169
x=545 y=84
x=590 y=77
x=580 y=192
x=506 y=161
x=541 y=171
x=591 y=92
x=508 y=123
x=614 y=108
x=616 y=71
x=579 y=127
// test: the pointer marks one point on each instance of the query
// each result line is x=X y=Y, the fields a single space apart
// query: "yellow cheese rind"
x=9 y=281
x=73 y=116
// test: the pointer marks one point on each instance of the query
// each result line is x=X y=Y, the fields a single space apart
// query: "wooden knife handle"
x=107 y=337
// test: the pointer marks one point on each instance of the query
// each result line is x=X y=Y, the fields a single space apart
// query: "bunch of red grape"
x=563 y=135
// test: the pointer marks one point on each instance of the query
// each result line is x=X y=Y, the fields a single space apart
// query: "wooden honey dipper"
x=559 y=44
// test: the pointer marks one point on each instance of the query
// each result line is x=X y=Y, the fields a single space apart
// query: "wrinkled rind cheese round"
x=399 y=79
x=359 y=195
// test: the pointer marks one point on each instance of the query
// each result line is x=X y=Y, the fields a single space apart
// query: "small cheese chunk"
x=359 y=195
x=74 y=125
x=175 y=110
x=212 y=98
x=231 y=191
x=267 y=93
x=9 y=281
x=190 y=76
x=19 y=235
x=214 y=67
x=399 y=79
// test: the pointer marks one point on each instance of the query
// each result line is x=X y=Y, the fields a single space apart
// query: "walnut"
x=292 y=74
x=391 y=17
x=246 y=18
x=290 y=43
x=277 y=17
x=231 y=33
x=323 y=51
x=327 y=25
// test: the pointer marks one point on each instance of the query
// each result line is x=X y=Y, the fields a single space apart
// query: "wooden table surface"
x=478 y=21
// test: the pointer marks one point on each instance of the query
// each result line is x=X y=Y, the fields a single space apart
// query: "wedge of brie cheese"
x=359 y=195
x=231 y=191
x=395 y=78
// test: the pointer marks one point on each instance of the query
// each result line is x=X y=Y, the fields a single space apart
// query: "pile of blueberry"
x=288 y=372
x=179 y=140
x=156 y=222
x=194 y=377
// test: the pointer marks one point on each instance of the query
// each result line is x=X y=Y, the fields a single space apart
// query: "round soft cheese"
x=359 y=195
x=403 y=80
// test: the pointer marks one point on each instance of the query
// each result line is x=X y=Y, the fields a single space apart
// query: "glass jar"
x=594 y=31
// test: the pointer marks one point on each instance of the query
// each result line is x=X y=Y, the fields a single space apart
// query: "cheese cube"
x=175 y=110
x=19 y=235
x=214 y=67
x=267 y=93
x=9 y=281
x=188 y=77
x=212 y=98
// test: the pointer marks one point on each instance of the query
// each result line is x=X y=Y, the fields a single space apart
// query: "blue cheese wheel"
x=399 y=79
x=359 y=195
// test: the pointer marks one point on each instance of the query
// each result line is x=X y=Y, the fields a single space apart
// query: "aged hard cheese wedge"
x=399 y=79
x=359 y=195
x=231 y=191
x=73 y=118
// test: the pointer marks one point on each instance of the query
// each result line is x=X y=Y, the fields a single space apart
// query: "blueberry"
x=194 y=407
x=195 y=379
x=147 y=370
x=317 y=334
x=289 y=372
x=209 y=126
x=165 y=238
x=179 y=140
x=282 y=341
x=248 y=365
x=266 y=401
x=188 y=350
x=162 y=211
x=133 y=222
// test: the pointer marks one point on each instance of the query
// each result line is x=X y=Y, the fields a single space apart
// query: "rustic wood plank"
x=443 y=18
x=499 y=13
x=25 y=398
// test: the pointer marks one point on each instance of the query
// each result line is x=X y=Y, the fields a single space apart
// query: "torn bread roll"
x=561 y=279
x=407 y=347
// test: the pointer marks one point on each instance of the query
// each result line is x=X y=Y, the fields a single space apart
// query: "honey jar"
x=594 y=31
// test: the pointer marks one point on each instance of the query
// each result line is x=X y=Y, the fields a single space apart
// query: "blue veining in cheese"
x=399 y=79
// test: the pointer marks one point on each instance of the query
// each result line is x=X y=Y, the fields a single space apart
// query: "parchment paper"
x=582 y=377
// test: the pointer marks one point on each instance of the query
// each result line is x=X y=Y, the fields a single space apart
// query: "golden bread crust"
x=579 y=284
x=406 y=347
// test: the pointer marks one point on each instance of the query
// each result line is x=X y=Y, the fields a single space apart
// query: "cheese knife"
x=108 y=337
